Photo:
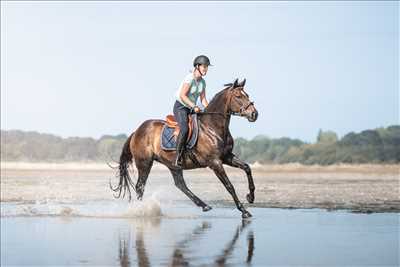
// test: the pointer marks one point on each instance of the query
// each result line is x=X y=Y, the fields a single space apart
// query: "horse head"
x=239 y=101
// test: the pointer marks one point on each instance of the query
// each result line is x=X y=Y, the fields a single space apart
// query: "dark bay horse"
x=213 y=149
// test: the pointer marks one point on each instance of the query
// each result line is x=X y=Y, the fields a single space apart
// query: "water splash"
x=149 y=207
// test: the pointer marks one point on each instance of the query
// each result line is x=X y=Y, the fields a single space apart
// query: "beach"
x=357 y=188
x=65 y=214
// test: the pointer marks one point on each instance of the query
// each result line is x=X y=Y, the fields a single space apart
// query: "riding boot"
x=180 y=150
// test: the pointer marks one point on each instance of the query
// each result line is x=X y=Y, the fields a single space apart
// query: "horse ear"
x=242 y=83
x=235 y=83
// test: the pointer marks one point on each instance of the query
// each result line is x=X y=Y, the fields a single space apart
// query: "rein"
x=211 y=112
x=240 y=113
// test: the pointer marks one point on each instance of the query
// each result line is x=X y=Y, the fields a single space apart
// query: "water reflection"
x=143 y=259
x=181 y=249
x=221 y=260
x=125 y=248
x=178 y=257
x=250 y=245
x=123 y=254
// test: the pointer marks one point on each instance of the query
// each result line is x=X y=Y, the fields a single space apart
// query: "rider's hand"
x=196 y=109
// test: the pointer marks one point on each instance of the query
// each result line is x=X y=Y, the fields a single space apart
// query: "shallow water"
x=176 y=233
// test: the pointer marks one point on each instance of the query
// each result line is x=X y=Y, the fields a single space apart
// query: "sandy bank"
x=359 y=188
x=291 y=167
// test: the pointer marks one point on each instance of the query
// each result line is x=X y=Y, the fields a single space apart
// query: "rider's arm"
x=203 y=98
x=183 y=95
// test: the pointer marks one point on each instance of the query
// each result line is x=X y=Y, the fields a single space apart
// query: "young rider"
x=187 y=95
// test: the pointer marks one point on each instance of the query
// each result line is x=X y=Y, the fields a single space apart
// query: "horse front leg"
x=234 y=161
x=218 y=169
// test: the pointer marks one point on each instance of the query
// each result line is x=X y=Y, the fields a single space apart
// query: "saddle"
x=170 y=131
x=172 y=123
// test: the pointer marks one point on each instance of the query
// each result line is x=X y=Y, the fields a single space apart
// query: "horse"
x=213 y=148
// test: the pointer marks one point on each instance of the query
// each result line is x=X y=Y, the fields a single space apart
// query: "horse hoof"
x=206 y=208
x=246 y=215
x=250 y=198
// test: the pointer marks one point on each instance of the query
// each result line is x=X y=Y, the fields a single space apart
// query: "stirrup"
x=178 y=161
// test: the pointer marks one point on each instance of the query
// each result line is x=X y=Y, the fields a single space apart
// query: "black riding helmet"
x=201 y=60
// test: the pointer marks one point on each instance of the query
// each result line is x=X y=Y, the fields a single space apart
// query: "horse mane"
x=217 y=99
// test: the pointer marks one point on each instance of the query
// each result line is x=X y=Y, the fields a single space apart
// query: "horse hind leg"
x=180 y=183
x=143 y=166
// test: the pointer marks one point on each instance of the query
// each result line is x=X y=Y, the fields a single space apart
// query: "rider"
x=189 y=91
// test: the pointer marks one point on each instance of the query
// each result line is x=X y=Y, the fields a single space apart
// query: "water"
x=176 y=233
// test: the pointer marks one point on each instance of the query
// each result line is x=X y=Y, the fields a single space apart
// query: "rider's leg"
x=181 y=115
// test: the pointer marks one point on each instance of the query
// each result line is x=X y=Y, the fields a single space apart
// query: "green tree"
x=326 y=137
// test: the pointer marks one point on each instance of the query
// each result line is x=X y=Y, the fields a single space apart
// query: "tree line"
x=381 y=145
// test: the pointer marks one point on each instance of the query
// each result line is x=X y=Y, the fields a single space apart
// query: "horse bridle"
x=242 y=109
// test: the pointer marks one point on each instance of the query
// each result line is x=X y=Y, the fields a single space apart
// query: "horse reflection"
x=221 y=260
x=123 y=254
x=143 y=259
x=124 y=245
x=250 y=245
x=178 y=256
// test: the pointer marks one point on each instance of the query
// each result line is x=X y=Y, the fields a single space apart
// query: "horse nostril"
x=254 y=115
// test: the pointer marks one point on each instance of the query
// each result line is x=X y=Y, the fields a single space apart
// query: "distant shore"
x=289 y=167
x=359 y=188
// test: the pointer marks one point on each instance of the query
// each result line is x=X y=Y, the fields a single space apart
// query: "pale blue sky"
x=94 y=68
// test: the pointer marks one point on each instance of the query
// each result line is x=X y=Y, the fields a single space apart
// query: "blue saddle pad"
x=168 y=141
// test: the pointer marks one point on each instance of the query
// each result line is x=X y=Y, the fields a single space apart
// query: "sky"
x=95 y=68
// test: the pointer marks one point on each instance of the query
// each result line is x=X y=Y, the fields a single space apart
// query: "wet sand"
x=358 y=188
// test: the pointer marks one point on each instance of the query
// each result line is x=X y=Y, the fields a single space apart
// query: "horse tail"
x=125 y=181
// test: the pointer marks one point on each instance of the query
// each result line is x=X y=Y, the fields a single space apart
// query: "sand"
x=357 y=188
